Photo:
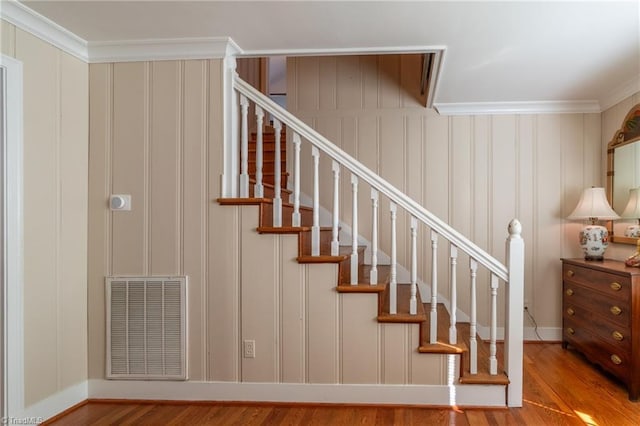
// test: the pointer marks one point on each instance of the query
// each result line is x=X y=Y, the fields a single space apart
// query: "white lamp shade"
x=593 y=204
x=632 y=211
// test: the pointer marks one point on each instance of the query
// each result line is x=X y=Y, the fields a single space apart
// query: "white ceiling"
x=536 y=51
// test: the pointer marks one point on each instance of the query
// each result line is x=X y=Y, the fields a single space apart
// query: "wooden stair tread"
x=364 y=285
x=322 y=259
x=403 y=315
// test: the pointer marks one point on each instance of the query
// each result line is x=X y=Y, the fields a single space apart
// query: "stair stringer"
x=322 y=278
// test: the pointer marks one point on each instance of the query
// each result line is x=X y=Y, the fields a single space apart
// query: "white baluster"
x=335 y=244
x=433 y=318
x=354 y=230
x=258 y=188
x=453 y=333
x=295 y=219
x=473 y=331
x=413 y=302
x=493 y=361
x=277 y=183
x=244 y=148
x=315 y=229
x=393 y=281
x=373 y=275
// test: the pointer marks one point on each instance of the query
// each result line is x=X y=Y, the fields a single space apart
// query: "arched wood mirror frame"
x=629 y=133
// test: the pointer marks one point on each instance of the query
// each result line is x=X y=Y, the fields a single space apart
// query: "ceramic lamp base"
x=594 y=240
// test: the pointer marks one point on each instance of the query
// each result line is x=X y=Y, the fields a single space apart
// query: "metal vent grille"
x=146 y=328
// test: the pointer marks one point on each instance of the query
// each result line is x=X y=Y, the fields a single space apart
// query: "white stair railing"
x=512 y=274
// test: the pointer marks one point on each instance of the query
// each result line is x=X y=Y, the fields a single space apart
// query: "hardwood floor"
x=561 y=388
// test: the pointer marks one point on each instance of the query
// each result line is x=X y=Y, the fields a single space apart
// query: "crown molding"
x=162 y=49
x=343 y=51
x=501 y=108
x=620 y=93
x=32 y=22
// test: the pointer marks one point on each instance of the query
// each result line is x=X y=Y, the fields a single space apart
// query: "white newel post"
x=373 y=274
x=493 y=333
x=453 y=290
x=354 y=230
x=315 y=229
x=244 y=148
x=433 y=318
x=413 y=302
x=393 y=281
x=295 y=218
x=514 y=316
x=258 y=188
x=335 y=243
x=473 y=321
x=277 y=175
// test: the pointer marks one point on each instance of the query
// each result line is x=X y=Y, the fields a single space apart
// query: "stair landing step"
x=442 y=348
x=484 y=379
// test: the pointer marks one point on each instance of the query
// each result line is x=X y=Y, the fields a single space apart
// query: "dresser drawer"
x=610 y=358
x=609 y=308
x=582 y=328
x=613 y=285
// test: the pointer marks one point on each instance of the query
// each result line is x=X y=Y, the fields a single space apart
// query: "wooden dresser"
x=601 y=316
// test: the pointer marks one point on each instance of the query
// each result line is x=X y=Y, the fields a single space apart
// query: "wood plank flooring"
x=561 y=388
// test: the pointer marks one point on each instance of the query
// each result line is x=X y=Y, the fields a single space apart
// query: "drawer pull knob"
x=617 y=336
x=569 y=292
x=570 y=273
x=616 y=359
x=571 y=330
x=615 y=286
x=570 y=311
x=615 y=310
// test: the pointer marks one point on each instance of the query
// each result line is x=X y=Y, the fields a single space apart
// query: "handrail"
x=377 y=182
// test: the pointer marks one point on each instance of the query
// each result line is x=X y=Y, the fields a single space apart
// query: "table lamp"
x=632 y=211
x=593 y=206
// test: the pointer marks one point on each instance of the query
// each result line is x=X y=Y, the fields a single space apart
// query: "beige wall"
x=156 y=134
x=55 y=213
x=474 y=172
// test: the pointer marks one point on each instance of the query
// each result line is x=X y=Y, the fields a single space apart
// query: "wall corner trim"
x=32 y=22
x=58 y=402
x=501 y=108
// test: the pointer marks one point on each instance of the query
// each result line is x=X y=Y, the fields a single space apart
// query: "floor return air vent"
x=146 y=328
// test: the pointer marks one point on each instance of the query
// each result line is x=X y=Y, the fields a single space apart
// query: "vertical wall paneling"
x=129 y=162
x=193 y=245
x=55 y=117
x=292 y=313
x=323 y=345
x=359 y=336
x=72 y=172
x=99 y=241
x=41 y=210
x=395 y=350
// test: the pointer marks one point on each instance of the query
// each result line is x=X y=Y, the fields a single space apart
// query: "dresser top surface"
x=606 y=265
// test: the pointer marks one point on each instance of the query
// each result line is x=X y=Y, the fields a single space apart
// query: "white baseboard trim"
x=57 y=403
x=436 y=395
x=546 y=334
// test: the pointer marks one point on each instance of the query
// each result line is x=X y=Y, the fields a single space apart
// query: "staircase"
x=263 y=183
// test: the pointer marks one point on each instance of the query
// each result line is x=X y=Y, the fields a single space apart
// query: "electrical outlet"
x=249 y=348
